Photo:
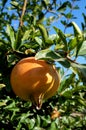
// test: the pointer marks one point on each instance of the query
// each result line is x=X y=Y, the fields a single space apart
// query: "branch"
x=73 y=61
x=23 y=12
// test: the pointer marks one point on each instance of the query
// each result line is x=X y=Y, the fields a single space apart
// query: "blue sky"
x=77 y=13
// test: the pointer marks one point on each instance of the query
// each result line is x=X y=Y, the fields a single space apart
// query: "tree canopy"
x=30 y=28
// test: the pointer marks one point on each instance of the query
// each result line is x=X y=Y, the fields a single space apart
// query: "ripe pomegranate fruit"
x=34 y=80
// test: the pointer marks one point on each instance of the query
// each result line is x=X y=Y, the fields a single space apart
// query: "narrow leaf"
x=62 y=36
x=72 y=43
x=64 y=5
x=10 y=33
x=18 y=41
x=43 y=32
x=76 y=28
x=26 y=35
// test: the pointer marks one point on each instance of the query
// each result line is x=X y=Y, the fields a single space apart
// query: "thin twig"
x=73 y=61
x=23 y=12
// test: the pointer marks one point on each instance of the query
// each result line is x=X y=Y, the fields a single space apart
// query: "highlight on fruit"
x=34 y=80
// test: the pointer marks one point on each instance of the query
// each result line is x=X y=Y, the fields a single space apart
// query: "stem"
x=73 y=61
x=23 y=12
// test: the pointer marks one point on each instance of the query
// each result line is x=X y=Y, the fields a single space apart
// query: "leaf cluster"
x=62 y=49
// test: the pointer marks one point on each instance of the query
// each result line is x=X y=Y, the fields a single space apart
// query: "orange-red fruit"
x=34 y=80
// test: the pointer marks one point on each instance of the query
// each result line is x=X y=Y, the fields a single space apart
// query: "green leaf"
x=64 y=5
x=64 y=63
x=81 y=100
x=67 y=93
x=45 y=121
x=11 y=106
x=15 y=4
x=18 y=41
x=2 y=86
x=44 y=4
x=2 y=103
x=77 y=30
x=50 y=39
x=68 y=15
x=26 y=35
x=62 y=37
x=82 y=74
x=29 y=51
x=43 y=31
x=52 y=56
x=66 y=83
x=79 y=36
x=38 y=128
x=47 y=54
x=79 y=88
x=72 y=43
x=11 y=35
x=84 y=16
x=53 y=126
x=41 y=17
x=31 y=123
x=38 y=120
x=82 y=50
x=79 y=69
x=38 y=40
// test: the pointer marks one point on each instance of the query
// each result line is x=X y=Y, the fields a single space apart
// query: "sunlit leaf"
x=3 y=103
x=81 y=100
x=29 y=51
x=72 y=43
x=76 y=29
x=18 y=41
x=47 y=54
x=52 y=56
x=62 y=36
x=31 y=123
x=2 y=85
x=53 y=126
x=38 y=128
x=38 y=40
x=43 y=32
x=82 y=50
x=26 y=35
x=67 y=93
x=37 y=37
x=11 y=35
x=14 y=4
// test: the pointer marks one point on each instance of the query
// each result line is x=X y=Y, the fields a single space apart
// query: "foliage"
x=25 y=30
